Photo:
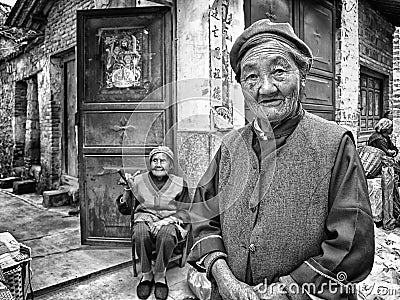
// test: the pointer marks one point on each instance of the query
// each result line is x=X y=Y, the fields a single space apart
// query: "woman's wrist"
x=221 y=272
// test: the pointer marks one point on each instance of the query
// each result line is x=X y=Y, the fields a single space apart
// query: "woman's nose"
x=267 y=86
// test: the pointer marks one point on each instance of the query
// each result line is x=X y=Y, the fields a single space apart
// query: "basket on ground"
x=371 y=159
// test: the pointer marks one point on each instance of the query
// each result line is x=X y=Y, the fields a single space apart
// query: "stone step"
x=57 y=198
x=7 y=183
x=24 y=187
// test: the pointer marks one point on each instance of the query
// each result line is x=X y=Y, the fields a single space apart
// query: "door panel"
x=124 y=64
x=104 y=222
x=130 y=129
x=319 y=90
x=318 y=33
x=276 y=10
x=134 y=43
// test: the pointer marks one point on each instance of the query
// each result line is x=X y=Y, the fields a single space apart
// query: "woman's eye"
x=279 y=72
x=252 y=77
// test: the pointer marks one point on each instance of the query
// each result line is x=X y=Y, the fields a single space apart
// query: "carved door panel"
x=275 y=10
x=124 y=64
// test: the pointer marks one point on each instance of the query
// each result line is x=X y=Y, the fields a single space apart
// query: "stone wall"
x=376 y=51
x=396 y=85
x=199 y=41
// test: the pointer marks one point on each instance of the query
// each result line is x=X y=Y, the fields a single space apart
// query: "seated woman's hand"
x=157 y=226
x=236 y=290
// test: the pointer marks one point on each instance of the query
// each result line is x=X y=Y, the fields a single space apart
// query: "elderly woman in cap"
x=381 y=137
x=158 y=218
x=282 y=211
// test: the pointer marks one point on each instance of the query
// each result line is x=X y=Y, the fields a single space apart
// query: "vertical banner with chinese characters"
x=220 y=71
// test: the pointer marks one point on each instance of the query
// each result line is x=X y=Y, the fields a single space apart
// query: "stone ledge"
x=7 y=183
x=57 y=198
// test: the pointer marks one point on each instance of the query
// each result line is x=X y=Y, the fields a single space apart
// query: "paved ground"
x=62 y=267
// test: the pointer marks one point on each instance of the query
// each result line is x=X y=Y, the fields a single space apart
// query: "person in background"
x=159 y=216
x=381 y=137
x=282 y=211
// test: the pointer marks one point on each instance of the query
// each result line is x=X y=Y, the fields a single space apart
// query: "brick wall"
x=32 y=136
x=376 y=35
x=6 y=119
x=20 y=107
x=61 y=25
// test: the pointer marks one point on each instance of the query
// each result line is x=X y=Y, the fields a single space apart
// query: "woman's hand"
x=237 y=290
x=156 y=227
x=229 y=287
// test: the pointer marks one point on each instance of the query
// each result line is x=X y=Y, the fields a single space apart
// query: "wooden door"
x=317 y=29
x=70 y=145
x=124 y=64
x=313 y=21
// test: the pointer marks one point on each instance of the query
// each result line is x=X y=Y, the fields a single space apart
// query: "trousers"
x=165 y=243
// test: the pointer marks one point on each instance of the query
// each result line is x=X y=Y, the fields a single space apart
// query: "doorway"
x=69 y=136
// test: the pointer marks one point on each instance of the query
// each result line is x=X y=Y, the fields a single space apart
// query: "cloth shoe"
x=161 y=290
x=143 y=289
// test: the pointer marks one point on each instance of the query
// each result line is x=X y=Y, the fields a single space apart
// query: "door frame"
x=170 y=113
x=66 y=58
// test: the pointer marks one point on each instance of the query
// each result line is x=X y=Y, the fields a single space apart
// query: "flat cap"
x=162 y=149
x=252 y=36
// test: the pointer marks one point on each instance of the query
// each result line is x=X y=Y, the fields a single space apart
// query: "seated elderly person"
x=158 y=218
x=381 y=138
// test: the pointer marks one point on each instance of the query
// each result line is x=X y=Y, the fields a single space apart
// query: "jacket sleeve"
x=205 y=216
x=347 y=254
x=183 y=204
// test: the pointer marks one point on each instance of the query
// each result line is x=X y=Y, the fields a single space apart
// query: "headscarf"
x=162 y=149
x=383 y=125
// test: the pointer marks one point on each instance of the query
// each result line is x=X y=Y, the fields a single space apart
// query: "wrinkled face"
x=270 y=82
x=160 y=165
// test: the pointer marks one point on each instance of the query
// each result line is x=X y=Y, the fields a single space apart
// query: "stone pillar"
x=347 y=111
x=205 y=92
x=396 y=86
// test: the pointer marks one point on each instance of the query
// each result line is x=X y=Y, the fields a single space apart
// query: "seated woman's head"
x=384 y=126
x=161 y=161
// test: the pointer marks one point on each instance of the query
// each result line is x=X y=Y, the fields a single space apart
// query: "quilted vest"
x=274 y=214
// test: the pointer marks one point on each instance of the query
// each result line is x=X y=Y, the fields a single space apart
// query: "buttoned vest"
x=159 y=202
x=273 y=215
